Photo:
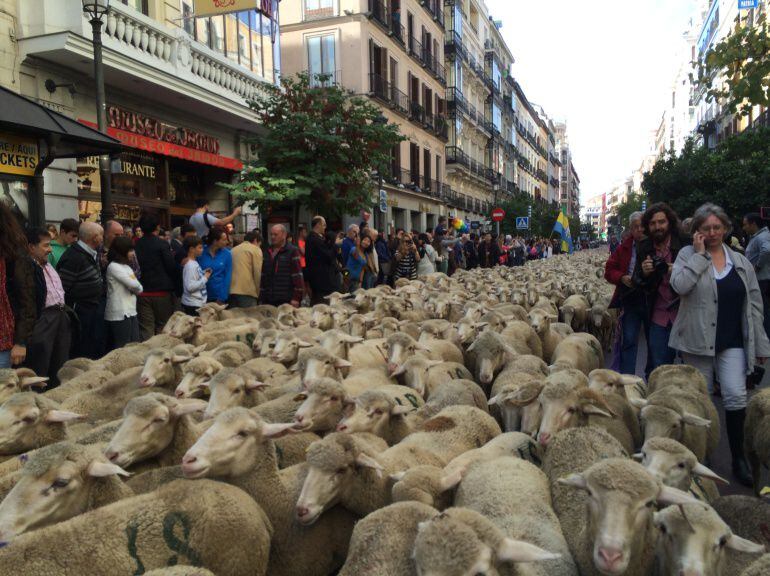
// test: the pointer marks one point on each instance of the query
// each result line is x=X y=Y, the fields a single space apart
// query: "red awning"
x=168 y=149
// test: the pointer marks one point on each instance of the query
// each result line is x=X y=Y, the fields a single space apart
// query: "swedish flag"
x=562 y=229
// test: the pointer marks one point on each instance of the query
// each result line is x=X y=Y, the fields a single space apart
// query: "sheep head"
x=673 y=463
x=55 y=485
x=694 y=540
x=370 y=412
x=196 y=375
x=148 y=427
x=27 y=416
x=18 y=380
x=231 y=387
x=565 y=405
x=231 y=446
x=660 y=421
x=322 y=405
x=286 y=348
x=621 y=500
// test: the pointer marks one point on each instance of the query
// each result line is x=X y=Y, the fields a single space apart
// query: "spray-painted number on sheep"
x=180 y=546
x=412 y=400
x=250 y=337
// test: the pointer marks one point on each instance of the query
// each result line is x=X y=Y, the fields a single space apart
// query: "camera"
x=659 y=264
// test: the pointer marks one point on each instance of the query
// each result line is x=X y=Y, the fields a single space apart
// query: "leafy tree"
x=319 y=146
x=632 y=204
x=737 y=70
x=736 y=175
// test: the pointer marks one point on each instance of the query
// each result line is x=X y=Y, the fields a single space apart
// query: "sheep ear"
x=638 y=402
x=367 y=461
x=511 y=550
x=575 y=480
x=399 y=371
x=706 y=472
x=303 y=344
x=179 y=358
x=451 y=480
x=421 y=346
x=97 y=469
x=638 y=457
x=293 y=368
x=197 y=351
x=189 y=407
x=256 y=385
x=735 y=542
x=301 y=397
x=63 y=416
x=669 y=495
x=398 y=476
x=351 y=339
x=432 y=363
x=399 y=410
x=270 y=430
x=33 y=382
x=495 y=400
x=694 y=420
x=481 y=324
x=595 y=410
x=340 y=363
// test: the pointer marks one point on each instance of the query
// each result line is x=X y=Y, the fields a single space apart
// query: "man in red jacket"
x=628 y=297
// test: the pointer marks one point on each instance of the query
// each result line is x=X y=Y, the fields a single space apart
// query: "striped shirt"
x=407 y=267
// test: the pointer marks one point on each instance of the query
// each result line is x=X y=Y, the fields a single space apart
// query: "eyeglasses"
x=707 y=229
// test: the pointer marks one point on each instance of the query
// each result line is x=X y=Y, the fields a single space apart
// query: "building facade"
x=176 y=90
x=569 y=182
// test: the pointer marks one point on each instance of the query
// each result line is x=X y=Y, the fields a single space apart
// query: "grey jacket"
x=758 y=253
x=694 y=330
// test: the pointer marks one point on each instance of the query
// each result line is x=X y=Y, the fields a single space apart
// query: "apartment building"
x=569 y=182
x=176 y=88
x=393 y=53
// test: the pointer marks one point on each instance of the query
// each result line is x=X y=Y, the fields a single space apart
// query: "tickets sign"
x=18 y=155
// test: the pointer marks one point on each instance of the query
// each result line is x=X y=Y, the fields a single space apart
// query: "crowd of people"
x=690 y=290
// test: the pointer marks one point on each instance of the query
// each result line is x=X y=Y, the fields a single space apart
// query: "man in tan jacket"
x=247 y=272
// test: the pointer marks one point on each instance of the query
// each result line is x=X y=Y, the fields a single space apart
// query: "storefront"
x=31 y=138
x=164 y=168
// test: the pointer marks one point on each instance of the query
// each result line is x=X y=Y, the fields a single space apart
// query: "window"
x=315 y=9
x=188 y=22
x=138 y=5
x=320 y=59
x=414 y=163
x=427 y=164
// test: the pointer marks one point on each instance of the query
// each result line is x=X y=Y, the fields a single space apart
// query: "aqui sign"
x=18 y=155
x=522 y=223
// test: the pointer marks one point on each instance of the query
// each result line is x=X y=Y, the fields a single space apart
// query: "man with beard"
x=655 y=256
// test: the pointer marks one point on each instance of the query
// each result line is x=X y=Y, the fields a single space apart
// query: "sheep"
x=601 y=322
x=86 y=380
x=695 y=540
x=29 y=420
x=322 y=317
x=74 y=367
x=264 y=342
x=154 y=426
x=580 y=350
x=684 y=415
x=402 y=346
x=382 y=543
x=230 y=354
x=491 y=353
x=676 y=466
x=106 y=402
x=760 y=567
x=238 y=449
x=757 y=435
x=382 y=412
x=462 y=541
x=425 y=484
x=541 y=323
x=59 y=482
x=522 y=338
x=361 y=487
x=196 y=375
x=180 y=571
x=514 y=495
x=19 y=380
x=173 y=525
x=627 y=385
x=747 y=517
x=574 y=311
x=321 y=405
x=613 y=492
x=316 y=362
x=678 y=376
x=162 y=368
x=233 y=387
x=425 y=375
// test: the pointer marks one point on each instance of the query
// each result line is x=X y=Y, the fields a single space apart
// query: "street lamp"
x=96 y=10
x=382 y=121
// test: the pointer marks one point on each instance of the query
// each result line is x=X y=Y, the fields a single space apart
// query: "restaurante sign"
x=153 y=128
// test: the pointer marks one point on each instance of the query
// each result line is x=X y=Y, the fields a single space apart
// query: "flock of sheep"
x=447 y=427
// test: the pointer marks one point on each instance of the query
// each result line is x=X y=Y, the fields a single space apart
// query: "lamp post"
x=378 y=220
x=97 y=10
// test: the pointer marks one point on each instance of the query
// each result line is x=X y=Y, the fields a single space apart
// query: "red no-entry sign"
x=498 y=214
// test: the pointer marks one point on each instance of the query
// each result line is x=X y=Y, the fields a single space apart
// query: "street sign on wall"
x=747 y=4
x=498 y=214
x=522 y=223
x=475 y=224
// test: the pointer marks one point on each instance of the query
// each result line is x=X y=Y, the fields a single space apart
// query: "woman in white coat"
x=428 y=256
x=122 y=288
x=719 y=327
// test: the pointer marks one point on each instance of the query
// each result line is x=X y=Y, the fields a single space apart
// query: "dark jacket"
x=383 y=252
x=26 y=289
x=81 y=277
x=489 y=254
x=471 y=257
x=649 y=284
x=159 y=270
x=281 y=276
x=320 y=265
x=617 y=267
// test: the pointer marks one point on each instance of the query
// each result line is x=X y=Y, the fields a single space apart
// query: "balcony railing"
x=408 y=180
x=397 y=29
x=436 y=9
x=456 y=100
x=453 y=44
x=379 y=11
x=324 y=79
x=455 y=155
x=386 y=92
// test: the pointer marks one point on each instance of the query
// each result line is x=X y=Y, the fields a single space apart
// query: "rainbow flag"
x=562 y=229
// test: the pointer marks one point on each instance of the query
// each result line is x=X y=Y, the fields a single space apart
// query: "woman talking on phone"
x=719 y=327
x=216 y=257
x=406 y=258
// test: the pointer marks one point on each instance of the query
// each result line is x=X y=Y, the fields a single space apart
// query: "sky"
x=604 y=67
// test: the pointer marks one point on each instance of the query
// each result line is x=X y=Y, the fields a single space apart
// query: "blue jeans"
x=5 y=359
x=634 y=320
x=660 y=352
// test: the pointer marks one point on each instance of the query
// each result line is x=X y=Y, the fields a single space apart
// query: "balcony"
x=379 y=13
x=324 y=79
x=455 y=155
x=456 y=100
x=319 y=13
x=406 y=180
x=436 y=9
x=141 y=56
x=384 y=91
x=453 y=45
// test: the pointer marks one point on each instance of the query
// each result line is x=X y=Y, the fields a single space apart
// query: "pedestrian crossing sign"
x=522 y=223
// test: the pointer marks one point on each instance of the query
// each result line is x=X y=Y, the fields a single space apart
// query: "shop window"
x=321 y=59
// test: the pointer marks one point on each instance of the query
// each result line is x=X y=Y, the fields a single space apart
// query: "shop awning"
x=22 y=116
